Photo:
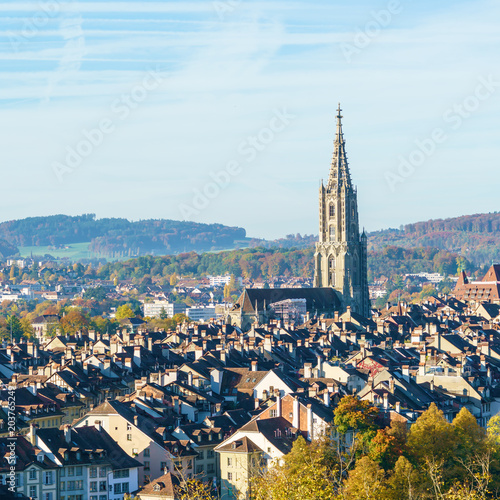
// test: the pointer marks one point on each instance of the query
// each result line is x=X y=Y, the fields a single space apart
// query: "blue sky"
x=224 y=111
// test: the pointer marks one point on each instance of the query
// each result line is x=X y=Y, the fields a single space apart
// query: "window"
x=210 y=453
x=33 y=491
x=93 y=486
x=332 y=210
x=229 y=462
x=103 y=497
x=199 y=469
x=163 y=465
x=49 y=478
x=200 y=455
x=125 y=488
x=273 y=413
x=71 y=471
x=229 y=476
x=78 y=485
x=102 y=486
x=332 y=232
x=117 y=488
x=146 y=466
x=129 y=427
x=93 y=472
x=146 y=452
x=93 y=497
x=102 y=472
x=47 y=496
x=32 y=475
x=62 y=485
x=118 y=474
x=63 y=472
x=129 y=437
x=71 y=485
x=210 y=468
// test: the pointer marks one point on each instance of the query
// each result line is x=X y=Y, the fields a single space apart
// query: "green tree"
x=305 y=473
x=431 y=436
x=74 y=321
x=15 y=326
x=403 y=483
x=470 y=436
x=366 y=481
x=123 y=312
x=354 y=414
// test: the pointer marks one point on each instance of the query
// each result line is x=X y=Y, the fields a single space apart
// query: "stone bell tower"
x=340 y=260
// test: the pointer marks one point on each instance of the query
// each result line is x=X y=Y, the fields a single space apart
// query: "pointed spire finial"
x=339 y=116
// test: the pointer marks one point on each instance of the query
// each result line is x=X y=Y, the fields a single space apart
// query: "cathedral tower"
x=340 y=260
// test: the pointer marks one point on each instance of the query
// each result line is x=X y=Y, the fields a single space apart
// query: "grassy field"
x=74 y=251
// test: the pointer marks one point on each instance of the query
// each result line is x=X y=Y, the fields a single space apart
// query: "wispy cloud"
x=222 y=79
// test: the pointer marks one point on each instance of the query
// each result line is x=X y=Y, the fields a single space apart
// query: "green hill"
x=118 y=238
x=476 y=237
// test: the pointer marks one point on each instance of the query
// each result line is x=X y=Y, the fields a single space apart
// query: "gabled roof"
x=243 y=445
x=163 y=486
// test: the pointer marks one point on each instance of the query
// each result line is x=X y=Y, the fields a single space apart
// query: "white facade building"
x=154 y=309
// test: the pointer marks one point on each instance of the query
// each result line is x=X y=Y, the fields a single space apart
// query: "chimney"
x=278 y=402
x=405 y=370
x=432 y=385
x=310 y=433
x=33 y=434
x=150 y=344
x=137 y=355
x=398 y=407
x=67 y=433
x=386 y=400
x=296 y=413
x=307 y=370
x=319 y=367
x=326 y=398
x=215 y=380
x=190 y=379
x=136 y=420
x=254 y=366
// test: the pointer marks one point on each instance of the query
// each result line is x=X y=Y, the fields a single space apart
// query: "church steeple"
x=339 y=169
x=340 y=258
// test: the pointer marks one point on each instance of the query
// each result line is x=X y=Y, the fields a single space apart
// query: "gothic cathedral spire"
x=340 y=260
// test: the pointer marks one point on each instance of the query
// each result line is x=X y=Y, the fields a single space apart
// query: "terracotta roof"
x=163 y=487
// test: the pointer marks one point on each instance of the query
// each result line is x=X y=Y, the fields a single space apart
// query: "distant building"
x=42 y=324
x=254 y=304
x=216 y=281
x=155 y=309
x=486 y=290
x=290 y=309
x=201 y=313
